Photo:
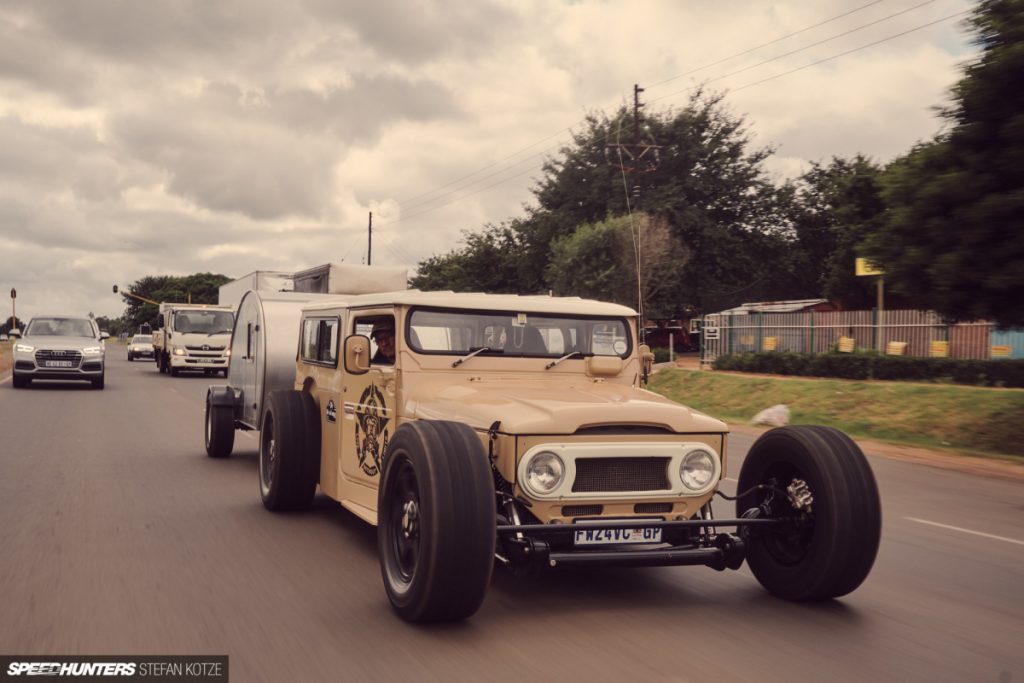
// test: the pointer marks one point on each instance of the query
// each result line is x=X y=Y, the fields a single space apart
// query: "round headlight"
x=697 y=469
x=544 y=472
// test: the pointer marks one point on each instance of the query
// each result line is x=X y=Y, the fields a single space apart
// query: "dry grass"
x=6 y=361
x=967 y=419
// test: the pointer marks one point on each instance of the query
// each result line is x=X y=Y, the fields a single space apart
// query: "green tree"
x=837 y=207
x=708 y=186
x=953 y=235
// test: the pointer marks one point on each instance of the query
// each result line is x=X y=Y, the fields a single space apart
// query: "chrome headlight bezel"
x=545 y=472
x=703 y=462
x=24 y=348
x=92 y=351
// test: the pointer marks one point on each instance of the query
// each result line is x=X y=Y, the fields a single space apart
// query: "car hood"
x=539 y=408
x=60 y=343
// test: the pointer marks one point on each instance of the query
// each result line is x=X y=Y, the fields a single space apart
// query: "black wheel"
x=827 y=547
x=289 y=451
x=436 y=521
x=20 y=382
x=219 y=429
x=130 y=357
x=174 y=371
x=98 y=382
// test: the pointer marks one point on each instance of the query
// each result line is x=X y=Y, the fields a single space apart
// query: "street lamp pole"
x=14 y=310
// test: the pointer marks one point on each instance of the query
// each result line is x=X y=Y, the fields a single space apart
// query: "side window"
x=320 y=341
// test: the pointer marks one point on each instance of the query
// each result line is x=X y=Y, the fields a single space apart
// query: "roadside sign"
x=866 y=267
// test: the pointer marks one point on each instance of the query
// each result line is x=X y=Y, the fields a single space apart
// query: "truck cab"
x=193 y=337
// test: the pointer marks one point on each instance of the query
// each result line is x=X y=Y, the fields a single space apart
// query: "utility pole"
x=369 y=243
x=14 y=310
x=633 y=159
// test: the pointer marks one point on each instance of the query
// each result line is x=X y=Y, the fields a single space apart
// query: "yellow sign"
x=1000 y=351
x=865 y=267
x=939 y=349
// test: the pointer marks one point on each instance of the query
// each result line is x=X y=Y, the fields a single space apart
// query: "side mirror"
x=104 y=335
x=646 y=361
x=15 y=333
x=357 y=354
x=160 y=320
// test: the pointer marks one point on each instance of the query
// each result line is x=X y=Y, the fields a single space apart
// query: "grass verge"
x=972 y=420
x=6 y=360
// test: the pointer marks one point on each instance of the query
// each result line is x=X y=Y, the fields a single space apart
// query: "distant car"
x=59 y=347
x=4 y=337
x=141 y=346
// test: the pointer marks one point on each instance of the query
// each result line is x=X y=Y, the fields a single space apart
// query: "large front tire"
x=822 y=552
x=219 y=429
x=436 y=521
x=289 y=451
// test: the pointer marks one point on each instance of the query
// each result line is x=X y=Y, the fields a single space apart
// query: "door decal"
x=372 y=423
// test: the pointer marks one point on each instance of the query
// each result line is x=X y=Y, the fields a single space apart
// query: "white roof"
x=773 y=306
x=565 y=305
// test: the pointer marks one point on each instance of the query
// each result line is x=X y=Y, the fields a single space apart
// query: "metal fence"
x=909 y=333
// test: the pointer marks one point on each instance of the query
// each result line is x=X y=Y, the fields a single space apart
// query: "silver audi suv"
x=59 y=347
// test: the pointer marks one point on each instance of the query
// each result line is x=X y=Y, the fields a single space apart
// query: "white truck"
x=193 y=337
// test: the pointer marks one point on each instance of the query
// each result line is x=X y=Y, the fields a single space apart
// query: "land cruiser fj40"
x=516 y=430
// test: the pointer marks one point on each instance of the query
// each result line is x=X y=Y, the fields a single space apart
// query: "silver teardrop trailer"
x=263 y=348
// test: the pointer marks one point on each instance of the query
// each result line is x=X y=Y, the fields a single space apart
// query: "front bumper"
x=199 y=362
x=87 y=370
x=689 y=542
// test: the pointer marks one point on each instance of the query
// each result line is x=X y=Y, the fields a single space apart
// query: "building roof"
x=791 y=306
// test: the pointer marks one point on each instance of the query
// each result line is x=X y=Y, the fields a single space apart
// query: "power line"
x=414 y=200
x=673 y=94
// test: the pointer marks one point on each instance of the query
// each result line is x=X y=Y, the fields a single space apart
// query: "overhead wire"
x=689 y=89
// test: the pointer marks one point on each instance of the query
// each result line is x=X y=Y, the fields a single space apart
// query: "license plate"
x=617 y=536
x=207 y=360
x=58 y=364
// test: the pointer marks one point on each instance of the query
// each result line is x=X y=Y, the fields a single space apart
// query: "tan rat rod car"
x=517 y=428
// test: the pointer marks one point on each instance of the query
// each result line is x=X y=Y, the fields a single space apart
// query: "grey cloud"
x=412 y=32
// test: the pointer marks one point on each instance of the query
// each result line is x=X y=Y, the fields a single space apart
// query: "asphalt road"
x=119 y=536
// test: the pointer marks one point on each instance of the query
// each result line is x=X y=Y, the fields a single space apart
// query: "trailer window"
x=320 y=341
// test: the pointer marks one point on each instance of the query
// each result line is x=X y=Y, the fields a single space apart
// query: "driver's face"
x=386 y=344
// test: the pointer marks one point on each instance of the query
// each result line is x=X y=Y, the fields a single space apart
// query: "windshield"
x=505 y=333
x=142 y=339
x=60 y=327
x=203 y=322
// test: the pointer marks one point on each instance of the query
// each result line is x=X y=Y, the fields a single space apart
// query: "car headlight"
x=179 y=351
x=228 y=353
x=544 y=472
x=24 y=348
x=697 y=469
x=92 y=351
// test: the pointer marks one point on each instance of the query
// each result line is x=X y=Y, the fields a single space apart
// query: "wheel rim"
x=787 y=543
x=209 y=427
x=404 y=523
x=268 y=454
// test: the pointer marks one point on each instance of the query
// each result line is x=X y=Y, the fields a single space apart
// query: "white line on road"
x=966 y=531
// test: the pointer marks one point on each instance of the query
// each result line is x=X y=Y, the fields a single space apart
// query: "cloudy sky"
x=180 y=136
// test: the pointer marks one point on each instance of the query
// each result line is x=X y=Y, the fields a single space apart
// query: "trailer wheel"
x=220 y=429
x=289 y=451
x=436 y=521
x=826 y=548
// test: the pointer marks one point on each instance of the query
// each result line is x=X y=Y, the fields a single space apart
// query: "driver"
x=384 y=335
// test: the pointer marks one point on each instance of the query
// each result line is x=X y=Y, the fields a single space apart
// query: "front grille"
x=44 y=355
x=581 y=510
x=204 y=347
x=599 y=475
x=652 y=508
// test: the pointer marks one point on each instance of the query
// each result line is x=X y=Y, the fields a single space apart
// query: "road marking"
x=966 y=531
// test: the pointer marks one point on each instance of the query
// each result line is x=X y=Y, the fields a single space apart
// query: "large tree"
x=953 y=236
x=837 y=207
x=707 y=185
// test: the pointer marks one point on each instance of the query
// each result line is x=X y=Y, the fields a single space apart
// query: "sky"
x=171 y=137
